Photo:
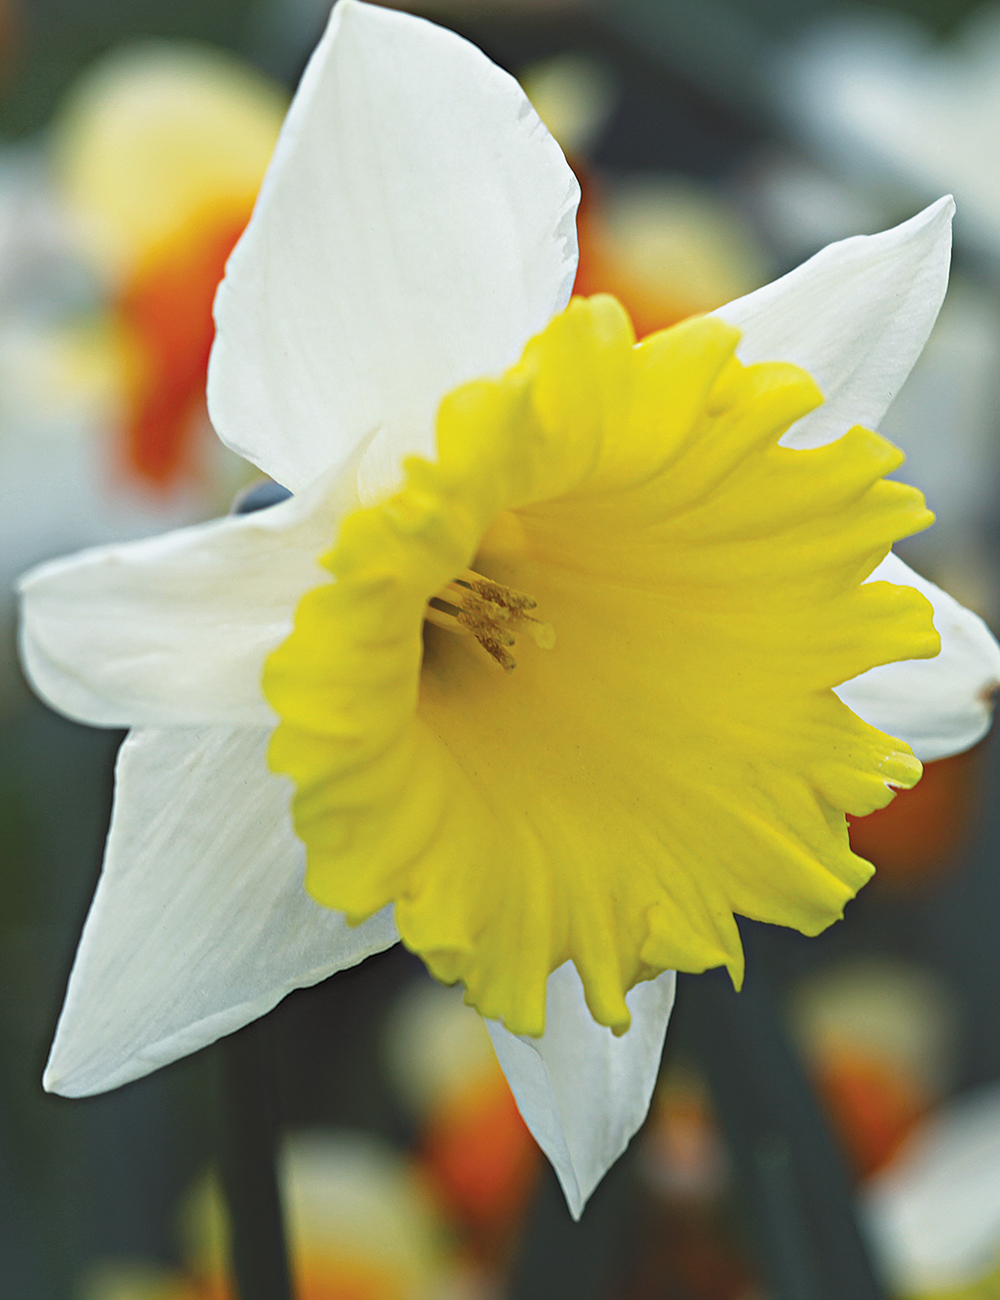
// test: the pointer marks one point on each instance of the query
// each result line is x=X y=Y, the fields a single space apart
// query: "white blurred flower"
x=58 y=399
x=933 y=1216
x=909 y=118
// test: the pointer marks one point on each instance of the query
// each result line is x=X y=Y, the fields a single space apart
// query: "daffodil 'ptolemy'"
x=669 y=749
x=482 y=477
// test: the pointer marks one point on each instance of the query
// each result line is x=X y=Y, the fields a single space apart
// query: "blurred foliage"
x=780 y=16
x=54 y=39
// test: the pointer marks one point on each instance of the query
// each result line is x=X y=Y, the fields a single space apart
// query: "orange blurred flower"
x=160 y=150
x=921 y=833
x=878 y=1036
x=165 y=313
x=667 y=247
x=478 y=1157
x=361 y=1223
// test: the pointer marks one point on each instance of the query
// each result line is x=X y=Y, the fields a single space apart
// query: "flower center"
x=476 y=606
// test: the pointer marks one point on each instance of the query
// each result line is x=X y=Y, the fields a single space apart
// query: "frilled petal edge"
x=938 y=706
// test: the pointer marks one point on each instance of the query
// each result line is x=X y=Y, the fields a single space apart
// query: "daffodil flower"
x=550 y=624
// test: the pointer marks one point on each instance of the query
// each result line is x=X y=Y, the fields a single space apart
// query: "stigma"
x=476 y=606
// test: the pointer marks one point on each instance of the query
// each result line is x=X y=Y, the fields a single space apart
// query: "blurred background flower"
x=362 y=1224
x=478 y=1154
x=718 y=143
x=158 y=151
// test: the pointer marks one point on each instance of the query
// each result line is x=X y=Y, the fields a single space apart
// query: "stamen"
x=442 y=619
x=489 y=611
x=507 y=597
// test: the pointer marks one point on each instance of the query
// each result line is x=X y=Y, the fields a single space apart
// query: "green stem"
x=250 y=1135
x=794 y=1182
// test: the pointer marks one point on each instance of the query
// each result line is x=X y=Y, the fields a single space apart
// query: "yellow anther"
x=489 y=611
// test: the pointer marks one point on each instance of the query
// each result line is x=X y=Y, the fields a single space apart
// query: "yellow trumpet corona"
x=673 y=753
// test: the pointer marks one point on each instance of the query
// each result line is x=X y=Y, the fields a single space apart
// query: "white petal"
x=415 y=228
x=174 y=630
x=200 y=922
x=939 y=706
x=583 y=1092
x=855 y=316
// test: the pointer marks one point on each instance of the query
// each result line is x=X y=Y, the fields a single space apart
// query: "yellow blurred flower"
x=666 y=246
x=160 y=150
x=361 y=1224
x=126 y=1280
